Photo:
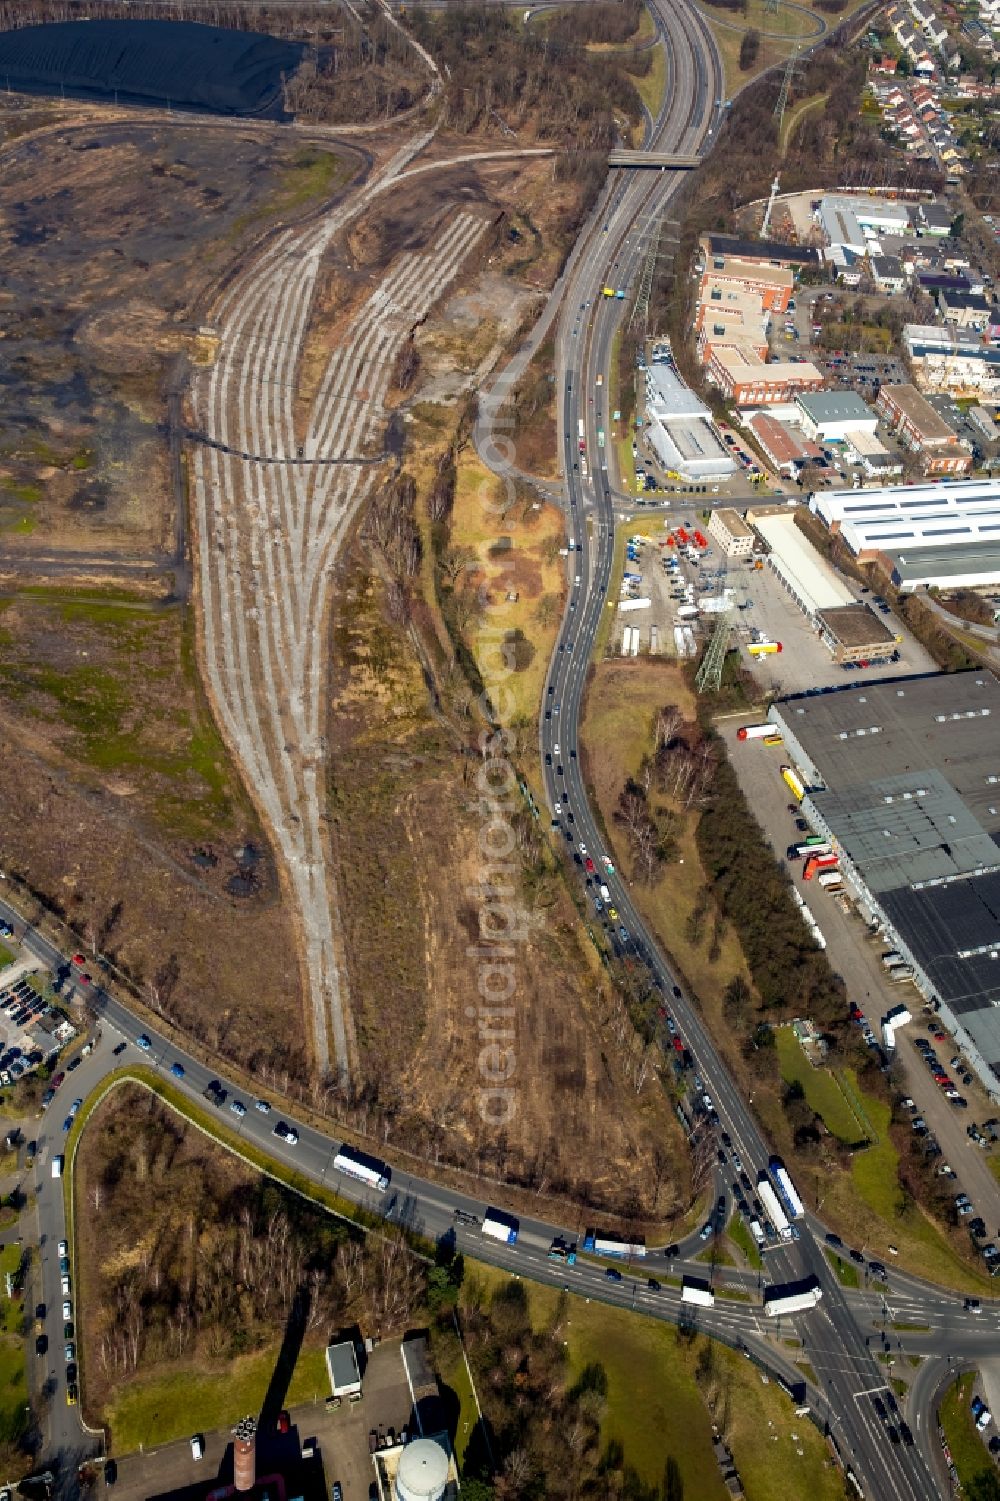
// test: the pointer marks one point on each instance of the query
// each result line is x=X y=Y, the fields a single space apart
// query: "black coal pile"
x=180 y=63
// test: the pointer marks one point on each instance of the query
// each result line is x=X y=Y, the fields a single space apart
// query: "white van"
x=605 y=894
x=57 y=1167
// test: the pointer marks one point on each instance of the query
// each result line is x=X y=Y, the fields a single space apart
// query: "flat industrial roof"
x=908 y=781
x=772 y=250
x=915 y=408
x=818 y=585
x=342 y=1362
x=734 y=523
x=947 y=562
x=835 y=406
x=856 y=625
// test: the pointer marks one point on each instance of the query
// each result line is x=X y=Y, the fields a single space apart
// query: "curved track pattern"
x=273 y=501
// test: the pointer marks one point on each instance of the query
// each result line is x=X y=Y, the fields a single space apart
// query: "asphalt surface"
x=834 y=1345
x=842 y=1334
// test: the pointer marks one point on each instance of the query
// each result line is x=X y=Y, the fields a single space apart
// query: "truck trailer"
x=499 y=1225
x=791 y=1297
x=793 y=782
x=756 y=731
x=829 y=879
x=772 y=1207
x=786 y=1189
x=695 y=1290
x=607 y=1243
x=363 y=1167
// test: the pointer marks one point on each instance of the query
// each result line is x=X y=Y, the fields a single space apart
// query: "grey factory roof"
x=946 y=562
x=834 y=406
x=907 y=778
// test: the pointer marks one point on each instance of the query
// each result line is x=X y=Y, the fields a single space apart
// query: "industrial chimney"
x=245 y=1454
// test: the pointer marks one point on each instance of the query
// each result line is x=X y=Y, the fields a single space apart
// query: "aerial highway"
x=835 y=1345
x=237 y=401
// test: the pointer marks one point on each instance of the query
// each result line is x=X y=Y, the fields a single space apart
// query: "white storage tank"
x=422 y=1472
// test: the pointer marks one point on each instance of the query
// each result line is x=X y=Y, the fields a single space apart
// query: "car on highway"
x=143 y=1042
x=65 y=1286
x=71 y=1394
x=706 y=1231
x=238 y=1108
x=612 y=1274
x=119 y=1050
x=623 y=934
x=67 y=1309
x=286 y=1133
x=264 y=1106
x=613 y=914
x=177 y=1069
x=64 y=1265
x=67 y=1123
x=41 y=1344
x=69 y=1352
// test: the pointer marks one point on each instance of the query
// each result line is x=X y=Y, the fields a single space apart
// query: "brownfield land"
x=112 y=232
x=137 y=819
x=189 y=1265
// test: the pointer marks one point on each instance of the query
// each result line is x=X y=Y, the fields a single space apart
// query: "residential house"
x=887 y=273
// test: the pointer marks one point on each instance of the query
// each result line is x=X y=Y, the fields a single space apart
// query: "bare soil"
x=407 y=829
x=110 y=233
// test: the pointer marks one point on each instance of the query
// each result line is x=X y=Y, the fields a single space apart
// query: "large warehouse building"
x=944 y=534
x=903 y=777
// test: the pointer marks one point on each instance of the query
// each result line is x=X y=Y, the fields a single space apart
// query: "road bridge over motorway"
x=657 y=159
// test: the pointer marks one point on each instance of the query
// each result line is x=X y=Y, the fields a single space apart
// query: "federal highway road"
x=833 y=1343
x=840 y=1336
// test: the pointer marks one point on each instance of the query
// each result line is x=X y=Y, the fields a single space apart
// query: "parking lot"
x=854 y=951
x=803 y=662
x=673 y=577
x=340 y=1440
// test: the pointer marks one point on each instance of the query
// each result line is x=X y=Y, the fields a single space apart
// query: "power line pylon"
x=709 y=675
x=786 y=83
x=640 y=308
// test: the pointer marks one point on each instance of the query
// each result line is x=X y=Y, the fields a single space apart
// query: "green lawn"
x=821 y=1089
x=455 y=1377
x=967 y=1448
x=655 y=1409
x=159 y=1409
x=13 y=1388
x=741 y=1237
x=847 y=1274
x=651 y=87
x=6 y=957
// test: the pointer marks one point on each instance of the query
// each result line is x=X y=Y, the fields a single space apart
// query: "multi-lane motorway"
x=840 y=1338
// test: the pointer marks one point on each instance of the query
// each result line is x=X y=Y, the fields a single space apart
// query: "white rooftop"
x=817 y=584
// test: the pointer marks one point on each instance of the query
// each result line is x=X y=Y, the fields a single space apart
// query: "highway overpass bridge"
x=658 y=159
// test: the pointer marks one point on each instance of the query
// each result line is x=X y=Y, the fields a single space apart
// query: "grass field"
x=741 y=1237
x=530 y=568
x=150 y=1412
x=821 y=1090
x=6 y=957
x=655 y=1407
x=967 y=1448
x=13 y=1381
x=651 y=88
x=847 y=1273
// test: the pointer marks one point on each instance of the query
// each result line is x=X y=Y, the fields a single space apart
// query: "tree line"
x=195 y=1259
x=540 y=1433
